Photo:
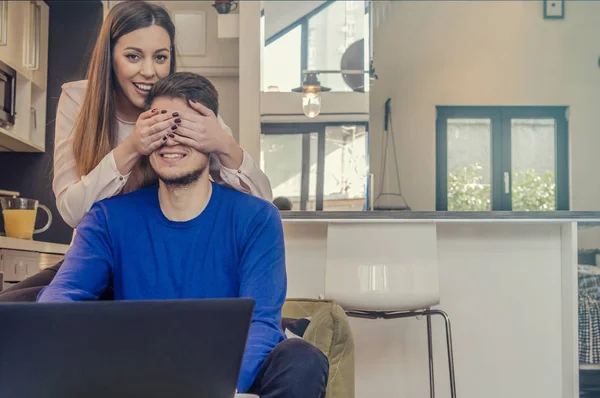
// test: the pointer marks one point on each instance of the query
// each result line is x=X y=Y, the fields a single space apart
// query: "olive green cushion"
x=329 y=331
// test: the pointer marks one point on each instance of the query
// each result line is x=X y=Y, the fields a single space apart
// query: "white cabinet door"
x=190 y=18
x=24 y=47
x=198 y=46
x=12 y=21
x=40 y=75
x=19 y=265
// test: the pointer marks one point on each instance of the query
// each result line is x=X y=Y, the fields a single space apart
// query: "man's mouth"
x=172 y=158
x=143 y=87
x=172 y=155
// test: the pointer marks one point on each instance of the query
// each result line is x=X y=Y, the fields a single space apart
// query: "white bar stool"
x=387 y=270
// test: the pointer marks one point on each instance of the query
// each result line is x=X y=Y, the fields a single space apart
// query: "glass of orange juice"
x=19 y=217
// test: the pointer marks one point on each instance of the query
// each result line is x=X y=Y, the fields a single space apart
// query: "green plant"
x=531 y=190
x=466 y=190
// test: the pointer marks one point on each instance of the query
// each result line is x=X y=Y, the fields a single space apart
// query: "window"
x=502 y=158
x=316 y=40
x=318 y=166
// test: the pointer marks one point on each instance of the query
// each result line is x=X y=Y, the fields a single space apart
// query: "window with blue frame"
x=502 y=158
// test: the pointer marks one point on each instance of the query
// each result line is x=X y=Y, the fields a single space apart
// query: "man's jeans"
x=294 y=369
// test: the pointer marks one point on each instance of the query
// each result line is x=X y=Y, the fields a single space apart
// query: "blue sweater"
x=234 y=248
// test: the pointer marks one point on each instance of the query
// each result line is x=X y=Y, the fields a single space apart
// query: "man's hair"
x=282 y=203
x=187 y=86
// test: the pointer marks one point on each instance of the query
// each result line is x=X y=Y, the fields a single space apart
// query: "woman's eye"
x=161 y=58
x=133 y=57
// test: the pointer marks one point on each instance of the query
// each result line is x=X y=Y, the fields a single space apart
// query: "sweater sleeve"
x=75 y=195
x=85 y=272
x=263 y=278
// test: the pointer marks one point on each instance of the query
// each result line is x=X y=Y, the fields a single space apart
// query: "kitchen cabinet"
x=228 y=26
x=12 y=16
x=37 y=45
x=21 y=258
x=17 y=265
x=24 y=29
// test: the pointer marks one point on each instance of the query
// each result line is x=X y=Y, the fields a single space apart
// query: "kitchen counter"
x=32 y=246
x=508 y=281
x=468 y=216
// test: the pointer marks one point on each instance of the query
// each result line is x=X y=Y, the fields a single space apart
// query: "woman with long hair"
x=103 y=133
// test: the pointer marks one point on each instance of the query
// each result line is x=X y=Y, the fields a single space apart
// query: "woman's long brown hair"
x=95 y=133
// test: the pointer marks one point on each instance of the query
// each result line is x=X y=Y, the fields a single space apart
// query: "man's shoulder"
x=238 y=198
x=245 y=205
x=128 y=202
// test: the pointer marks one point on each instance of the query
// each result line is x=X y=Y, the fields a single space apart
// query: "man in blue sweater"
x=191 y=238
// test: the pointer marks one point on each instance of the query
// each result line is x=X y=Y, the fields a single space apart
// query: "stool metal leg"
x=427 y=313
x=430 y=351
x=450 y=351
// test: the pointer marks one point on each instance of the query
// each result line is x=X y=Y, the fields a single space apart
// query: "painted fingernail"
x=173 y=127
x=175 y=114
x=172 y=135
x=163 y=111
x=193 y=101
x=178 y=120
x=154 y=110
x=165 y=138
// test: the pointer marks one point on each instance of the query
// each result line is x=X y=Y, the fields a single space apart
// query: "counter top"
x=444 y=216
x=32 y=245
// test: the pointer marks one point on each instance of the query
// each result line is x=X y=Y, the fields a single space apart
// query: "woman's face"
x=140 y=59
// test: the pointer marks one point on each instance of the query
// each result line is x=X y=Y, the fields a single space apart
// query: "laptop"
x=113 y=349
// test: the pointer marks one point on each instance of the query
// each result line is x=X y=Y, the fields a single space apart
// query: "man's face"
x=177 y=164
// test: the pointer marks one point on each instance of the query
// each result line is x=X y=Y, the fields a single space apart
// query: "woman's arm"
x=74 y=195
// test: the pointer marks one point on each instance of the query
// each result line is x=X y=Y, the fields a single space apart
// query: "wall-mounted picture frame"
x=554 y=9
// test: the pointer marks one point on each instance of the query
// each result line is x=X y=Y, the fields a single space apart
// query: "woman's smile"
x=143 y=88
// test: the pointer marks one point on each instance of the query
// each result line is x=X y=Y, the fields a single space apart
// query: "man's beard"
x=184 y=180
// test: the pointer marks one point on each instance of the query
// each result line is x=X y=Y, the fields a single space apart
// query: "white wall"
x=229 y=107
x=249 y=83
x=430 y=53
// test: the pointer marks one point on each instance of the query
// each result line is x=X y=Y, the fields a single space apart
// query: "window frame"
x=305 y=129
x=501 y=156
